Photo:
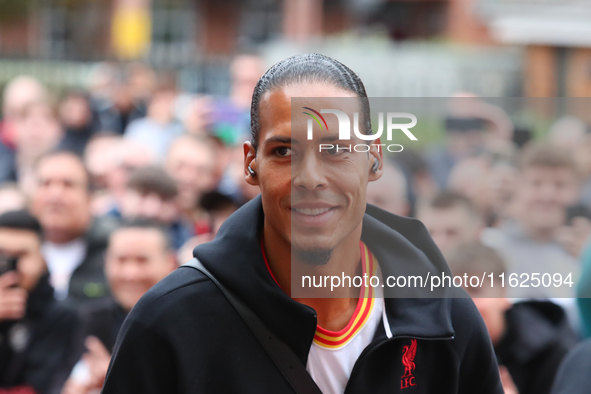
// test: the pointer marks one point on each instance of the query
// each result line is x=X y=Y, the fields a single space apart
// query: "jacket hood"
x=533 y=327
x=401 y=245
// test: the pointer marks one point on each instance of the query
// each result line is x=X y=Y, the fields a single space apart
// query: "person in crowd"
x=573 y=375
x=38 y=132
x=74 y=242
x=421 y=184
x=230 y=116
x=451 y=219
x=530 y=337
x=19 y=93
x=159 y=128
x=218 y=207
x=98 y=157
x=470 y=126
x=488 y=180
x=152 y=194
x=582 y=155
x=197 y=116
x=568 y=132
x=537 y=239
x=184 y=335
x=191 y=163
x=118 y=108
x=11 y=197
x=117 y=162
x=138 y=256
x=78 y=120
x=37 y=333
x=390 y=191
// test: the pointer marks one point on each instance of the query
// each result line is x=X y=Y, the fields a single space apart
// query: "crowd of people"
x=106 y=191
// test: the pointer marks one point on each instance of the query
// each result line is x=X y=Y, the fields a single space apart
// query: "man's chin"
x=313 y=257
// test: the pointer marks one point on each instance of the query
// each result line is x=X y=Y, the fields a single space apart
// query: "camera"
x=7 y=263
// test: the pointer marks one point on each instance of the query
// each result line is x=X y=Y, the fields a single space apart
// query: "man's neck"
x=539 y=234
x=62 y=237
x=333 y=313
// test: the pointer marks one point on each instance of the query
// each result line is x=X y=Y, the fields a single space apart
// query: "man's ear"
x=376 y=161
x=250 y=165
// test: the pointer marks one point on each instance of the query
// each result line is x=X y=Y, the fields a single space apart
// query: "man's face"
x=191 y=165
x=61 y=201
x=449 y=227
x=389 y=193
x=136 y=260
x=544 y=194
x=312 y=200
x=25 y=245
x=148 y=206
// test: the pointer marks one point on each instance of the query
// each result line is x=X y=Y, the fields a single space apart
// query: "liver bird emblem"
x=408 y=356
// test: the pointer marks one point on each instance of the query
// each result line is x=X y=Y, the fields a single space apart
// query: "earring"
x=251 y=171
x=375 y=166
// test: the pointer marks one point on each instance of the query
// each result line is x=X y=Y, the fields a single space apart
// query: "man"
x=152 y=194
x=534 y=240
x=19 y=93
x=451 y=219
x=36 y=332
x=183 y=336
x=74 y=244
x=138 y=256
x=572 y=376
x=191 y=163
x=530 y=337
x=159 y=128
x=390 y=191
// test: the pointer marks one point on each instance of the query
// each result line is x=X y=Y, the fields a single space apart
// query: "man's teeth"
x=311 y=211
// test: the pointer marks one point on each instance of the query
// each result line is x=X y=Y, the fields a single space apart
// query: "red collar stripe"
x=335 y=340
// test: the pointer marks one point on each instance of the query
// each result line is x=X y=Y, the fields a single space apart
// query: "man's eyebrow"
x=281 y=139
x=330 y=138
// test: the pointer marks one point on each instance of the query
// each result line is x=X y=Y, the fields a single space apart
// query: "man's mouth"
x=311 y=211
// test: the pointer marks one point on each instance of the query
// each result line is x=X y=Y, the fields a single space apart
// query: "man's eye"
x=283 y=151
x=335 y=150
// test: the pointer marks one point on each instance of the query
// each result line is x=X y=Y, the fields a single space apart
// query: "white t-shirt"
x=333 y=354
x=62 y=260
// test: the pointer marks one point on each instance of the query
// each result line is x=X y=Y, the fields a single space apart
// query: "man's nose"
x=307 y=173
x=131 y=272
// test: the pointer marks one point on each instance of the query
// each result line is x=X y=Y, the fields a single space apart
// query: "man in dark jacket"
x=184 y=336
x=530 y=337
x=138 y=256
x=74 y=243
x=36 y=332
x=573 y=375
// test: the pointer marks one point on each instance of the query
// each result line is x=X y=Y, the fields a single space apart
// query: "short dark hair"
x=66 y=152
x=447 y=199
x=475 y=258
x=308 y=68
x=21 y=220
x=152 y=179
x=146 y=224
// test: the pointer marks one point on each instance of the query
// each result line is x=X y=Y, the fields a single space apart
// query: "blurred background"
x=122 y=123
x=431 y=47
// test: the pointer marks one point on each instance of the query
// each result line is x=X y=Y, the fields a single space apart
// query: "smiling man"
x=243 y=323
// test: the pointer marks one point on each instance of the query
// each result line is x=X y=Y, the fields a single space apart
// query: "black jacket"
x=536 y=339
x=184 y=337
x=573 y=375
x=88 y=281
x=36 y=350
x=103 y=319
